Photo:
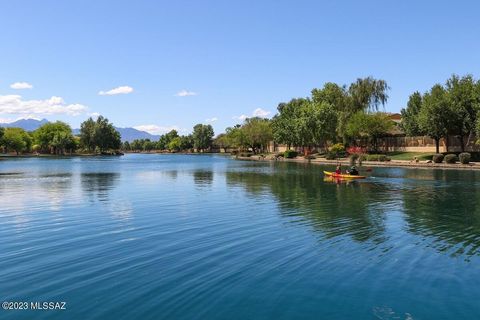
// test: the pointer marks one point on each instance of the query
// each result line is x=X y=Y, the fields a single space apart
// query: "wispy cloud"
x=259 y=112
x=14 y=104
x=117 y=90
x=154 y=129
x=6 y=120
x=21 y=85
x=94 y=114
x=185 y=93
x=240 y=117
x=211 y=119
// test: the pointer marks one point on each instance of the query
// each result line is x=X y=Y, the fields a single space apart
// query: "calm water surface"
x=207 y=237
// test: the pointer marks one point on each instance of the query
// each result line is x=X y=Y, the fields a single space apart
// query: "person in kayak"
x=352 y=171
x=338 y=170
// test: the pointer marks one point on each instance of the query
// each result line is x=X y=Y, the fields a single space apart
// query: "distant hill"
x=128 y=134
x=25 y=124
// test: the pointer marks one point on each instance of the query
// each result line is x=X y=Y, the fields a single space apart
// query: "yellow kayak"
x=342 y=176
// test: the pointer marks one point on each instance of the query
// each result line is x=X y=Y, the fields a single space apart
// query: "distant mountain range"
x=25 y=124
x=128 y=134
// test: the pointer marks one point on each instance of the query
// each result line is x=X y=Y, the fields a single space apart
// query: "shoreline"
x=386 y=164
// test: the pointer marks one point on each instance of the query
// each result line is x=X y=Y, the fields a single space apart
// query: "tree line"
x=201 y=140
x=450 y=109
x=354 y=114
x=334 y=113
x=96 y=136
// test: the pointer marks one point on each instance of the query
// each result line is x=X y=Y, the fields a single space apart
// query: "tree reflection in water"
x=99 y=183
x=334 y=209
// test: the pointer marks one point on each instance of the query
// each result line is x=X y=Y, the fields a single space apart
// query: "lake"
x=208 y=237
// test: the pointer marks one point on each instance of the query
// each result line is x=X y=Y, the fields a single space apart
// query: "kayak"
x=342 y=176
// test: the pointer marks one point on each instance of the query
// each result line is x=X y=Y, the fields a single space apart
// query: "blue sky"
x=228 y=58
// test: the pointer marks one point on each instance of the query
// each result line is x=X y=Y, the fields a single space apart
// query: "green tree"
x=284 y=124
x=464 y=100
x=175 y=144
x=165 y=139
x=87 y=134
x=235 y=137
x=202 y=136
x=369 y=125
x=410 y=115
x=435 y=114
x=257 y=132
x=186 y=142
x=368 y=94
x=106 y=136
x=54 y=136
x=16 y=139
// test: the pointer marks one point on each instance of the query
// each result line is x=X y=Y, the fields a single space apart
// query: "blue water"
x=207 y=237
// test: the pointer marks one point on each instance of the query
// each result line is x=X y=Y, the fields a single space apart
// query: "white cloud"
x=117 y=90
x=259 y=112
x=94 y=114
x=185 y=93
x=241 y=117
x=6 y=120
x=154 y=129
x=14 y=104
x=21 y=85
x=211 y=119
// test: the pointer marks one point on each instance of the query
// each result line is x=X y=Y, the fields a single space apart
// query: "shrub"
x=353 y=158
x=464 y=157
x=290 y=154
x=356 y=150
x=451 y=158
x=337 y=148
x=279 y=155
x=437 y=158
x=330 y=156
x=309 y=157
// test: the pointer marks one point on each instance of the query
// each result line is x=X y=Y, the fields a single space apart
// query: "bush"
x=464 y=157
x=338 y=149
x=357 y=150
x=289 y=154
x=353 y=159
x=330 y=156
x=451 y=158
x=309 y=157
x=279 y=155
x=437 y=158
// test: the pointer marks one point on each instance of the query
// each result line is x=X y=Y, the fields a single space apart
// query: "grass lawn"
x=399 y=155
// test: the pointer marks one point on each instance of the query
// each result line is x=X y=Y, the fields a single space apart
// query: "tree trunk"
x=437 y=145
x=462 y=144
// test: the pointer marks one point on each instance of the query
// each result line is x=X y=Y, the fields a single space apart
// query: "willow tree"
x=365 y=95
